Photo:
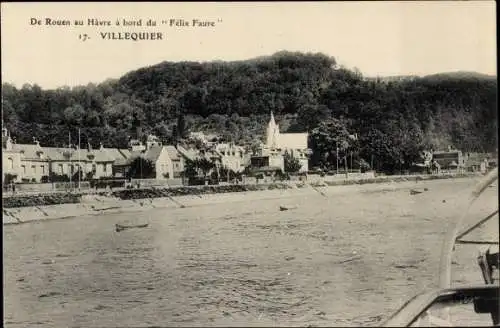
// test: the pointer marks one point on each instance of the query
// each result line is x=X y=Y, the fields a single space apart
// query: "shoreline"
x=101 y=204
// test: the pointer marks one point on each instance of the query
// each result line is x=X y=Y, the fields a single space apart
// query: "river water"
x=346 y=259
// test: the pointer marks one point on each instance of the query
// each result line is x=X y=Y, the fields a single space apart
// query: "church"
x=295 y=143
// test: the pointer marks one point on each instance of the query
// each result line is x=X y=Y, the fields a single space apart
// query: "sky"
x=380 y=38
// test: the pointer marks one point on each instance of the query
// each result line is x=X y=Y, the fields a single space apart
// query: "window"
x=23 y=169
x=176 y=165
x=42 y=169
x=11 y=163
x=61 y=169
x=104 y=167
x=33 y=168
x=94 y=167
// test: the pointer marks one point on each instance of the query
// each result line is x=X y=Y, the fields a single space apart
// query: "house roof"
x=132 y=155
x=82 y=155
x=292 y=140
x=190 y=154
x=212 y=153
x=122 y=162
x=100 y=155
x=121 y=156
x=228 y=146
x=173 y=153
x=114 y=153
x=55 y=153
x=96 y=155
x=30 y=152
x=125 y=152
x=153 y=153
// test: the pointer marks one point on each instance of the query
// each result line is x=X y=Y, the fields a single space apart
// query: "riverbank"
x=24 y=209
x=351 y=258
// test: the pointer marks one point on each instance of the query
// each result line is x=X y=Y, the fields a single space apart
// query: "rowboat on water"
x=120 y=227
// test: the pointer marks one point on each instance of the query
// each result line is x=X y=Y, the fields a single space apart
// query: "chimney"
x=101 y=146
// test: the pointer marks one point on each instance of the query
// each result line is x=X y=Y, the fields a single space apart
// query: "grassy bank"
x=128 y=194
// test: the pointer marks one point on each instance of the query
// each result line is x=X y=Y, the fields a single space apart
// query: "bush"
x=363 y=165
x=105 y=182
x=192 y=190
x=9 y=178
x=41 y=200
x=54 y=177
x=196 y=181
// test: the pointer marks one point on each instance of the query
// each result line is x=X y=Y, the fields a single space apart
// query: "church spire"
x=272 y=133
x=272 y=121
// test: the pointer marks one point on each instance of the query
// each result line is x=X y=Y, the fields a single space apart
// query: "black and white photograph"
x=250 y=164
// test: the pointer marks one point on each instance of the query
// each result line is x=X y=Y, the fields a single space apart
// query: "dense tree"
x=190 y=169
x=331 y=142
x=292 y=164
x=394 y=118
x=141 y=168
x=181 y=129
x=205 y=165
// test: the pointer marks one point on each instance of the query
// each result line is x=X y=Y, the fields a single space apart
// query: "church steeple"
x=272 y=122
x=272 y=133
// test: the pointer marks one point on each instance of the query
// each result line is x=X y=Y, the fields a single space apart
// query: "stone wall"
x=17 y=201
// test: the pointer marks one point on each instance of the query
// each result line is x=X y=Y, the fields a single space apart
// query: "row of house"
x=31 y=162
x=455 y=160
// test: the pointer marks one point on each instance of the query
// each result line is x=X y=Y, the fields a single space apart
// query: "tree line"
x=392 y=120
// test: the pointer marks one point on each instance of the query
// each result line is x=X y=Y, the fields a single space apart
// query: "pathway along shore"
x=23 y=209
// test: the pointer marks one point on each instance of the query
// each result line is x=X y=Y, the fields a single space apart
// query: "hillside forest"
x=393 y=119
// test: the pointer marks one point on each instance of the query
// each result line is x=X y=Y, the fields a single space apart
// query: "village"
x=214 y=162
x=35 y=163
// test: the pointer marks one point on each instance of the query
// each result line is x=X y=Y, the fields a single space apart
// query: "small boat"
x=119 y=227
x=415 y=192
x=286 y=208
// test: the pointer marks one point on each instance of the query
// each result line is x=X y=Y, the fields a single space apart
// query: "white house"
x=68 y=161
x=11 y=159
x=232 y=156
x=177 y=159
x=153 y=151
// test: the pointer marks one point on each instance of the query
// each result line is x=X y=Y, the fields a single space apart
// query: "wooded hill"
x=394 y=118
